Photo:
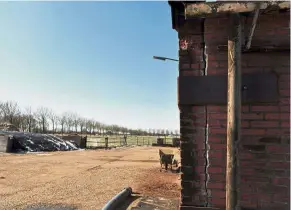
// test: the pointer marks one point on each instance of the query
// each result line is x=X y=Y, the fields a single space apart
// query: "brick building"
x=264 y=147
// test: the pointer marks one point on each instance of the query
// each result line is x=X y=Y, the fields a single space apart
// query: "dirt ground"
x=81 y=179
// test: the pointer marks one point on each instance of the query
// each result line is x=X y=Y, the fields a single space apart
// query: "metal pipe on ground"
x=118 y=199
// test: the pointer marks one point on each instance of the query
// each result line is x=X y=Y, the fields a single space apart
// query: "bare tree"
x=97 y=126
x=75 y=121
x=54 y=120
x=42 y=114
x=82 y=123
x=89 y=126
x=10 y=110
x=69 y=121
x=29 y=118
x=102 y=128
x=19 y=122
x=62 y=120
x=124 y=130
x=1 y=112
x=115 y=129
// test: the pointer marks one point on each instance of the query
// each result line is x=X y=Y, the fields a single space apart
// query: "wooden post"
x=233 y=111
x=106 y=142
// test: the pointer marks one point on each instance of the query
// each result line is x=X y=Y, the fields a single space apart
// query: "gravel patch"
x=79 y=180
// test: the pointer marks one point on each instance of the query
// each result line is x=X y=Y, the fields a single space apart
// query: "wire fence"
x=117 y=141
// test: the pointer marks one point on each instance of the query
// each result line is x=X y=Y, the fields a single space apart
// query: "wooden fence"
x=117 y=141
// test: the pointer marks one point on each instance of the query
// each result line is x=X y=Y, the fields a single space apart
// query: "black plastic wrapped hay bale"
x=35 y=142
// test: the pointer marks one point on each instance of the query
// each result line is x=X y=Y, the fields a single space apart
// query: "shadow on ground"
x=132 y=200
x=50 y=207
x=151 y=203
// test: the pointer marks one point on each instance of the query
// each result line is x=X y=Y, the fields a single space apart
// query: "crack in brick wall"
x=207 y=146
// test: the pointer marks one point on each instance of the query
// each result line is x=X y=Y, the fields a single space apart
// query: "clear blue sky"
x=93 y=58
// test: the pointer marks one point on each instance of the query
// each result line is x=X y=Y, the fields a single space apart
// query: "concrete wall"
x=5 y=144
x=264 y=149
x=81 y=142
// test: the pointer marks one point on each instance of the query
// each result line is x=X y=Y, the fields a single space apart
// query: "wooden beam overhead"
x=194 y=10
x=258 y=49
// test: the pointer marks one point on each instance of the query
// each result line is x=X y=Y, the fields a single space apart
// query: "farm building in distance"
x=223 y=44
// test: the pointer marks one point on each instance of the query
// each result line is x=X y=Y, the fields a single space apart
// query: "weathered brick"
x=285 y=109
x=218 y=116
x=217 y=154
x=277 y=116
x=217 y=130
x=217 y=178
x=284 y=92
x=252 y=116
x=278 y=131
x=216 y=185
x=216 y=109
x=215 y=140
x=281 y=181
x=219 y=202
x=265 y=124
x=217 y=170
x=264 y=108
x=285 y=124
x=217 y=193
x=253 y=131
x=282 y=149
x=264 y=154
x=218 y=147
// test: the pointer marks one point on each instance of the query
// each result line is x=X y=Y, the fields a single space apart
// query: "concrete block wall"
x=81 y=142
x=264 y=152
x=5 y=143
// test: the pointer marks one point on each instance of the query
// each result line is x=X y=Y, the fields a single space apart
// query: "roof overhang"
x=194 y=10
x=182 y=10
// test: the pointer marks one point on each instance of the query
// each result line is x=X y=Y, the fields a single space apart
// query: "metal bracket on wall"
x=212 y=90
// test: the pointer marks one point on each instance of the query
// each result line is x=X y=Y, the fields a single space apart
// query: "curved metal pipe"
x=118 y=199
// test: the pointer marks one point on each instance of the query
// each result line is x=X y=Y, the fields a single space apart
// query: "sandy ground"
x=81 y=179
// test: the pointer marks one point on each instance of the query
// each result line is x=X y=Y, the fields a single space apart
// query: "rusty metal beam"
x=194 y=10
x=233 y=111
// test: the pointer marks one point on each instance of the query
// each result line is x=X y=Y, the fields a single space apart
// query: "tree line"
x=45 y=120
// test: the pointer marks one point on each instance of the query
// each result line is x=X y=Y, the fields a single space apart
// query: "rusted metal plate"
x=202 y=90
x=212 y=90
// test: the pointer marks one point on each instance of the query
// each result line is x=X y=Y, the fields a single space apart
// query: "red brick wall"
x=264 y=150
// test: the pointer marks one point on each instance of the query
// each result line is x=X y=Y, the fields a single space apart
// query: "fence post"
x=106 y=142
x=148 y=140
x=136 y=140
